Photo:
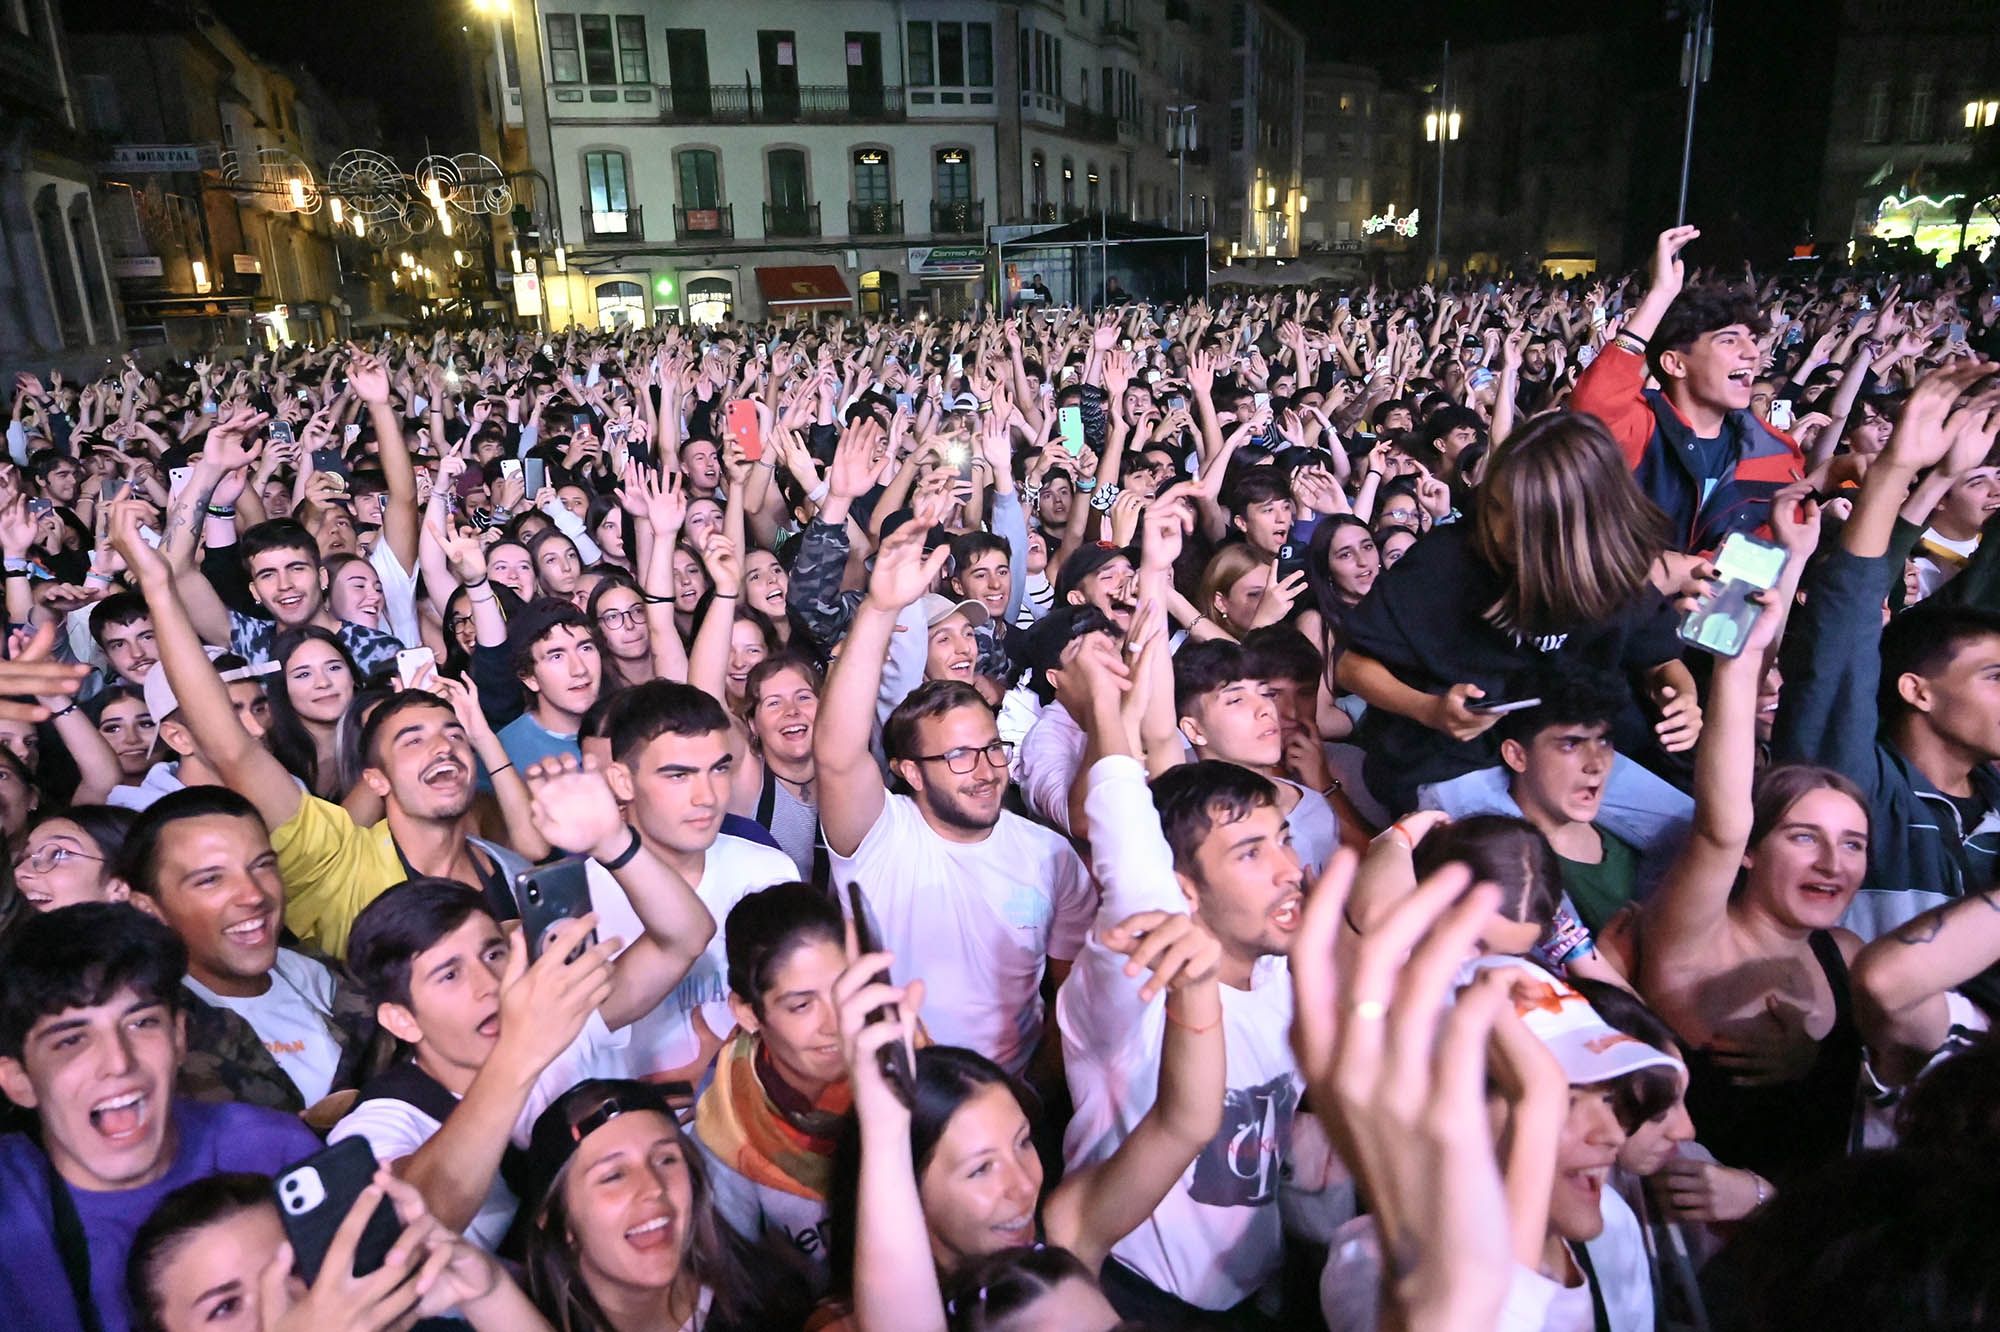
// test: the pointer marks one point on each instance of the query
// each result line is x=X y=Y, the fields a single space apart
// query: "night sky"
x=405 y=52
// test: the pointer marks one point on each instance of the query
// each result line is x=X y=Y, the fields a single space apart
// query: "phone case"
x=1721 y=624
x=893 y=1057
x=315 y=1196
x=549 y=896
x=410 y=662
x=741 y=424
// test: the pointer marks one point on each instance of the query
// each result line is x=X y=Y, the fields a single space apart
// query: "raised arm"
x=850 y=783
x=240 y=758
x=369 y=379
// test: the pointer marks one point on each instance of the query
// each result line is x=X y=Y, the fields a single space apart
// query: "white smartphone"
x=511 y=468
x=411 y=663
x=1781 y=413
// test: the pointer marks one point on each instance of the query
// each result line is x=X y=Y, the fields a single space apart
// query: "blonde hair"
x=1225 y=569
x=1581 y=536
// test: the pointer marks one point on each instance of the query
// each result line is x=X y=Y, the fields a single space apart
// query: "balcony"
x=696 y=224
x=958 y=217
x=1121 y=34
x=791 y=221
x=746 y=104
x=1085 y=123
x=875 y=219
x=613 y=225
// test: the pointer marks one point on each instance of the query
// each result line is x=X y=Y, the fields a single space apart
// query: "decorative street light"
x=1441 y=127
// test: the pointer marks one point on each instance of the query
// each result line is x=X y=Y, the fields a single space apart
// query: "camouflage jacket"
x=227 y=1061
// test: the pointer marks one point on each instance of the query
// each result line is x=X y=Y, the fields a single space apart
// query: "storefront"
x=947 y=277
x=802 y=288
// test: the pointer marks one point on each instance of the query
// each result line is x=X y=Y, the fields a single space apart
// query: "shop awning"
x=807 y=284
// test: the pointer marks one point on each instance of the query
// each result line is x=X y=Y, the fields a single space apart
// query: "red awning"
x=808 y=284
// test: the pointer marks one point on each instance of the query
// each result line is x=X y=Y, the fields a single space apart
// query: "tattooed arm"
x=1901 y=981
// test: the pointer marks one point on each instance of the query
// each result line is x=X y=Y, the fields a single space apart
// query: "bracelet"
x=1085 y=484
x=1396 y=832
x=482 y=582
x=495 y=772
x=723 y=596
x=1189 y=1026
x=624 y=858
x=58 y=716
x=1347 y=918
x=222 y=510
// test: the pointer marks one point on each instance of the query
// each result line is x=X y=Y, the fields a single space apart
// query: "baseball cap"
x=536 y=619
x=938 y=608
x=159 y=695
x=1085 y=561
x=1589 y=1049
x=561 y=1129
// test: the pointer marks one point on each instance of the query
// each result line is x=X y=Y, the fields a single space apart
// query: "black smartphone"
x=282 y=433
x=1291 y=559
x=1500 y=707
x=331 y=460
x=549 y=895
x=316 y=1195
x=895 y=1058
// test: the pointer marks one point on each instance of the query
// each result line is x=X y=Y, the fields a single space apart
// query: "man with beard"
x=415 y=756
x=971 y=897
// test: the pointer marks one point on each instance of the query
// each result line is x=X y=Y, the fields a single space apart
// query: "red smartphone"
x=741 y=425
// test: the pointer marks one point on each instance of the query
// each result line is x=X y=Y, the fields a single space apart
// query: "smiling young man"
x=267 y=1025
x=495 y=1038
x=970 y=896
x=554 y=655
x=122 y=628
x=288 y=582
x=1693 y=444
x=90 y=1041
x=1206 y=839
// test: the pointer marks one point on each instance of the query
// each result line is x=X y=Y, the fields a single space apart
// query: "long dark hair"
x=947 y=1076
x=719 y=1260
x=1326 y=596
x=187 y=1209
x=291 y=743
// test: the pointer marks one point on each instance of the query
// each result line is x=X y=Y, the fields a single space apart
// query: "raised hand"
x=724 y=565
x=1668 y=272
x=462 y=552
x=572 y=807
x=1175 y=948
x=902 y=571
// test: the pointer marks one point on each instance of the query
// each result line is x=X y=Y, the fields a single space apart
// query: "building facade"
x=57 y=305
x=696 y=158
x=1901 y=159
x=200 y=142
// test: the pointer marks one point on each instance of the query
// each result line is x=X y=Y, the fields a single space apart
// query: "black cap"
x=561 y=1129
x=1085 y=561
x=536 y=619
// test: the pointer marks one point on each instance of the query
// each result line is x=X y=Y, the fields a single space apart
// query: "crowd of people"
x=1230 y=815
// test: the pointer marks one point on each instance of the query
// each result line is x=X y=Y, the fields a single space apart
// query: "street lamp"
x=1981 y=113
x=1441 y=127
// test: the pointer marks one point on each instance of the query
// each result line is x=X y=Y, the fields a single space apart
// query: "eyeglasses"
x=622 y=619
x=46 y=859
x=965 y=758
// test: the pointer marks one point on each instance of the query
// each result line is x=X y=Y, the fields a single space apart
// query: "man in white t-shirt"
x=494 y=1038
x=1205 y=838
x=671 y=768
x=976 y=900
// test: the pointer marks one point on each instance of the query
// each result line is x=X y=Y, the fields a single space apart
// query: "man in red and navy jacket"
x=1693 y=444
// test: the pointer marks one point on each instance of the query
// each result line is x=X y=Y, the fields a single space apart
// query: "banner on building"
x=528 y=295
x=936 y=261
x=138 y=266
x=155 y=157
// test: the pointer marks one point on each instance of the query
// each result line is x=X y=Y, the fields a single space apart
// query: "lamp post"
x=1183 y=130
x=1440 y=127
x=1697 y=54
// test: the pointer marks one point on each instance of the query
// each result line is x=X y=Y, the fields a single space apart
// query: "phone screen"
x=1748 y=561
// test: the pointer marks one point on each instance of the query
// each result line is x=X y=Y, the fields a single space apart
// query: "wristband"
x=1085 y=484
x=96 y=578
x=1104 y=497
x=478 y=582
x=17 y=564
x=624 y=858
x=222 y=510
x=58 y=716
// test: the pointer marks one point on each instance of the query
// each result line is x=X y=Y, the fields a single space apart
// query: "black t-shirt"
x=1425 y=620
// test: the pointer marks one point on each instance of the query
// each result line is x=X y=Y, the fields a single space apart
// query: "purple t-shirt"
x=213 y=1138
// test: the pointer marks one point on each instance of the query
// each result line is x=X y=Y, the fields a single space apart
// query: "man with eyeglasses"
x=968 y=895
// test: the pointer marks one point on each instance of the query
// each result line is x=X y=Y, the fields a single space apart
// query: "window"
x=59 y=268
x=871 y=176
x=687 y=68
x=599 y=63
x=960 y=55
x=1875 y=124
x=1069 y=183
x=1108 y=104
x=953 y=182
x=83 y=236
x=700 y=184
x=1343 y=190
x=565 y=63
x=787 y=170
x=1090 y=190
x=633 y=64
x=778 y=66
x=1343 y=231
x=604 y=176
x=1923 y=109
x=1039 y=179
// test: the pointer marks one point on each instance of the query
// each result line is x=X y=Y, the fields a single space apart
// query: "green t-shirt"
x=1599 y=890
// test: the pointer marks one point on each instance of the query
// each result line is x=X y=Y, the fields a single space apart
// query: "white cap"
x=938 y=608
x=1589 y=1049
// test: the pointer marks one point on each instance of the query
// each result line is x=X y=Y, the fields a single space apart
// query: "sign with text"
x=947 y=260
x=155 y=157
x=527 y=294
x=247 y=263
x=138 y=266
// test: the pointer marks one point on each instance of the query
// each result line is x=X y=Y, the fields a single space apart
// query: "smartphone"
x=38 y=506
x=315 y=1197
x=1177 y=403
x=1500 y=707
x=332 y=460
x=510 y=469
x=1342 y=302
x=1152 y=376
x=740 y=424
x=1291 y=559
x=1720 y=623
x=114 y=489
x=960 y=456
x=304 y=396
x=411 y=664
x=905 y=403
x=1069 y=424
x=1781 y=413
x=894 y=1057
x=282 y=433
x=535 y=473
x=1480 y=377
x=351 y=432
x=549 y=895
x=177 y=480
x=956 y=366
